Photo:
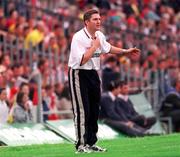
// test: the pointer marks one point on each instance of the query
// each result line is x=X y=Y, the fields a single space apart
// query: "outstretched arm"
x=128 y=52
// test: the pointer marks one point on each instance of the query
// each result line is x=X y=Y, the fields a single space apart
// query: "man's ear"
x=86 y=22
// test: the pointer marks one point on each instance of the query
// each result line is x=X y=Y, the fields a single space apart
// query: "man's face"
x=125 y=89
x=94 y=23
x=25 y=89
x=3 y=95
x=117 y=91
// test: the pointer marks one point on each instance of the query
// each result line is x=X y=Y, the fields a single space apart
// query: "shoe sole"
x=99 y=151
x=83 y=152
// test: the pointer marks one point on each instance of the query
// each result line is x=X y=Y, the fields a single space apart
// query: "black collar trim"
x=86 y=34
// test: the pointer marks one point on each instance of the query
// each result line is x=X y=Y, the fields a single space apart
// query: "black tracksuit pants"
x=85 y=96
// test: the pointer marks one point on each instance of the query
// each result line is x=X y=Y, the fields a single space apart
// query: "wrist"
x=124 y=51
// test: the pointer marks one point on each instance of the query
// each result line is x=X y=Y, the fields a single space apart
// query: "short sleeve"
x=105 y=46
x=77 y=51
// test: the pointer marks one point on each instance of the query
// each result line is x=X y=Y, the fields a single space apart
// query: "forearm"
x=117 y=50
x=87 y=55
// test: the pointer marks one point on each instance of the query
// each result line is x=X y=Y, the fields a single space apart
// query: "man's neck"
x=124 y=97
x=91 y=32
x=111 y=94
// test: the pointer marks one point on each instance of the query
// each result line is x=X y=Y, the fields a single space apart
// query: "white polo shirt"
x=81 y=41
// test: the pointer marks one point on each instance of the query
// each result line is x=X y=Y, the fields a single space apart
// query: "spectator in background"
x=12 y=21
x=14 y=78
x=2 y=76
x=47 y=74
x=114 y=118
x=124 y=104
x=110 y=72
x=44 y=104
x=6 y=79
x=36 y=36
x=5 y=60
x=24 y=88
x=2 y=20
x=22 y=112
x=33 y=91
x=62 y=92
x=4 y=109
x=18 y=73
x=171 y=105
x=52 y=101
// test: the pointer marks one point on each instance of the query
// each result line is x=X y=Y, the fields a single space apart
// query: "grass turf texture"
x=156 y=146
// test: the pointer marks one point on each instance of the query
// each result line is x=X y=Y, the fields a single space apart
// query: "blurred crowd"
x=151 y=25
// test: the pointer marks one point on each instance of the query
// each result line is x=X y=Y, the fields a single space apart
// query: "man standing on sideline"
x=84 y=61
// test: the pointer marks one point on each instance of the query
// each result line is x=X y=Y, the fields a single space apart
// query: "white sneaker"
x=95 y=148
x=83 y=149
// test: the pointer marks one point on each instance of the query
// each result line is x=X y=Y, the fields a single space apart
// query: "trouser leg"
x=122 y=127
x=95 y=95
x=78 y=107
x=81 y=85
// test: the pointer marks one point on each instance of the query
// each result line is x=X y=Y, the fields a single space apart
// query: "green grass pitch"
x=156 y=146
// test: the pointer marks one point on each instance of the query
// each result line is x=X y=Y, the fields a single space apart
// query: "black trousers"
x=135 y=131
x=145 y=122
x=85 y=96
